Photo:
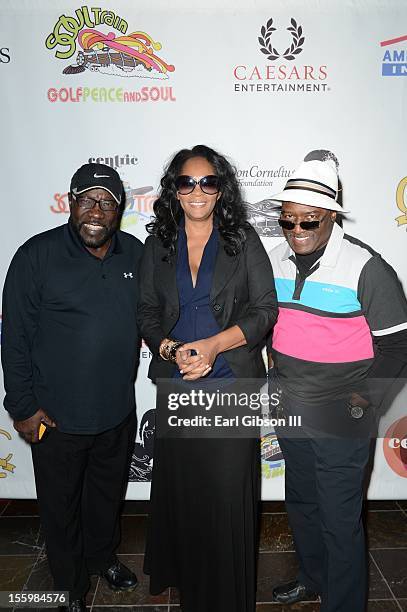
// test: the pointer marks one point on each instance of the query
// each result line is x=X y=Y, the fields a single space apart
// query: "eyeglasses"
x=305 y=225
x=87 y=203
x=208 y=184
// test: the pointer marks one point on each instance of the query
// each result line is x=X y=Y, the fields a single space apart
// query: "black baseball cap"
x=91 y=176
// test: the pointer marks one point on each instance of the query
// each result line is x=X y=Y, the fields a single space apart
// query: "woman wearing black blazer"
x=207 y=300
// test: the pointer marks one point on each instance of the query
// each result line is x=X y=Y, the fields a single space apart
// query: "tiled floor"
x=23 y=563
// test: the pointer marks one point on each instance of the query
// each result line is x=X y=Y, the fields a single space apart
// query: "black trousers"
x=324 y=494
x=81 y=481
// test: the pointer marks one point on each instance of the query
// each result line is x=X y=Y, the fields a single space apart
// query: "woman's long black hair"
x=230 y=212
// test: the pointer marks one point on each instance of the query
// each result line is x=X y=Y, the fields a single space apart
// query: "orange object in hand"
x=41 y=430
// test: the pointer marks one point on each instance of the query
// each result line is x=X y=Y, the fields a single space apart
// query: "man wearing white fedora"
x=342 y=323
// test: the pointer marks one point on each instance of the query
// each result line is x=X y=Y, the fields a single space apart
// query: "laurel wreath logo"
x=266 y=45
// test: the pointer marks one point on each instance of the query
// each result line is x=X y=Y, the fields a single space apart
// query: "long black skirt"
x=202 y=536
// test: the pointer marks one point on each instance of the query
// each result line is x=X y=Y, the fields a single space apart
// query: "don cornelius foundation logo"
x=282 y=73
x=103 y=44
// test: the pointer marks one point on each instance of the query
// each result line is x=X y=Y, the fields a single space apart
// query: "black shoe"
x=120 y=578
x=78 y=605
x=291 y=592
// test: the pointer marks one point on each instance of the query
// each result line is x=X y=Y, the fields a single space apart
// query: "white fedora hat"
x=314 y=183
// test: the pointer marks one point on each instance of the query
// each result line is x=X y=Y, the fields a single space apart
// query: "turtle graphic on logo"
x=123 y=54
x=131 y=55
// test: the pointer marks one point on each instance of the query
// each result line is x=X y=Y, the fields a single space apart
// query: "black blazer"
x=243 y=294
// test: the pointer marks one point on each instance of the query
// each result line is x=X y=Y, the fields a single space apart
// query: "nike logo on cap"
x=101 y=176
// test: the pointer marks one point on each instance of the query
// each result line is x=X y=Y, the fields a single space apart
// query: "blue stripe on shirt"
x=321 y=296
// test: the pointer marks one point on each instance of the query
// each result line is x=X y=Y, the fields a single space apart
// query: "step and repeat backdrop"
x=129 y=83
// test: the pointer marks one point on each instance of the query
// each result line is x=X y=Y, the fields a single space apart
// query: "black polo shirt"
x=69 y=335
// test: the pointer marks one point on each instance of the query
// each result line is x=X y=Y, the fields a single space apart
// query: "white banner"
x=128 y=84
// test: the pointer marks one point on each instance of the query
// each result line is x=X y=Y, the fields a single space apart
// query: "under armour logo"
x=128 y=274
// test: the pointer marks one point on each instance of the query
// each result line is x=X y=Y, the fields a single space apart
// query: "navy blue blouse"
x=196 y=320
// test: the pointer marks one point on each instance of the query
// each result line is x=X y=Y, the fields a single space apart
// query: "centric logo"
x=395 y=447
x=266 y=45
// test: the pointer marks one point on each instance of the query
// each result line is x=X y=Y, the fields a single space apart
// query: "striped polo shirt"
x=323 y=341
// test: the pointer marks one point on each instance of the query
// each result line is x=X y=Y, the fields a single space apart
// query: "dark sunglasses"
x=305 y=225
x=208 y=184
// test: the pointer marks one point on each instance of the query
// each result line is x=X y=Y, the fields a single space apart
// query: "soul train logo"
x=139 y=200
x=120 y=54
x=138 y=207
x=6 y=468
x=133 y=54
x=401 y=201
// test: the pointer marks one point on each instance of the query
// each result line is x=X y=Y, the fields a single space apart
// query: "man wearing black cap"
x=70 y=354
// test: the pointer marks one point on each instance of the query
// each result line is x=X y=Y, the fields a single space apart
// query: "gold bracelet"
x=173 y=350
x=163 y=350
x=168 y=349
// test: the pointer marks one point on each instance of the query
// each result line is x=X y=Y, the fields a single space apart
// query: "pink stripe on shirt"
x=322 y=339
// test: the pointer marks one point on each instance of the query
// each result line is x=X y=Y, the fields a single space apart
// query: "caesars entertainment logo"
x=395 y=447
x=401 y=201
x=6 y=467
x=139 y=199
x=103 y=44
x=394 y=60
x=283 y=72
